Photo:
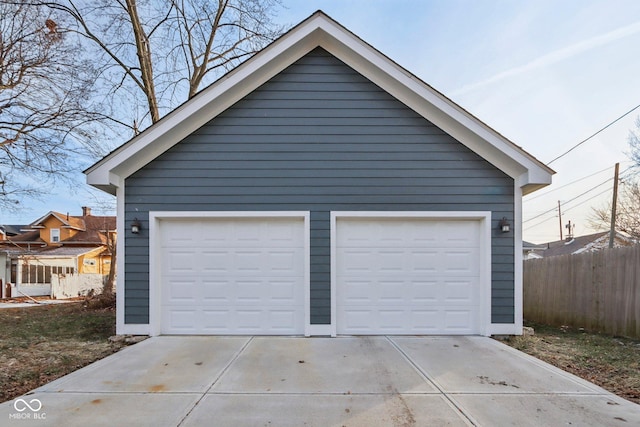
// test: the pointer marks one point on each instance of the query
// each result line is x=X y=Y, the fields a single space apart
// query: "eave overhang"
x=319 y=31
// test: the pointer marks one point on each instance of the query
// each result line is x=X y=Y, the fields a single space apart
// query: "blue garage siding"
x=318 y=137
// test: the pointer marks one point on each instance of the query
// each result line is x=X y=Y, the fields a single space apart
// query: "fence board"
x=598 y=291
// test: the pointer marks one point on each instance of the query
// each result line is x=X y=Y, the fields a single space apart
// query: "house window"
x=89 y=262
x=55 y=235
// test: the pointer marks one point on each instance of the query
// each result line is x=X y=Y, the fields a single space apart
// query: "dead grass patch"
x=613 y=363
x=39 y=344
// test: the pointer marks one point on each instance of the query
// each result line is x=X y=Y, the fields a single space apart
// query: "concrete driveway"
x=355 y=381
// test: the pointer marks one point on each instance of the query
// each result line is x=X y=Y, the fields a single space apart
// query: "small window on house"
x=89 y=262
x=55 y=235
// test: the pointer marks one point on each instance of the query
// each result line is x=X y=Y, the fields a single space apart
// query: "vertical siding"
x=318 y=137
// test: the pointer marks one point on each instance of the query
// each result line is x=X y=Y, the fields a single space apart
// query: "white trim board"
x=319 y=30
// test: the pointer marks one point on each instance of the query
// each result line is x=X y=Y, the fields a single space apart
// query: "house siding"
x=318 y=137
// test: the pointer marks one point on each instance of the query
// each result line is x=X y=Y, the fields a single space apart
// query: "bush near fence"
x=598 y=291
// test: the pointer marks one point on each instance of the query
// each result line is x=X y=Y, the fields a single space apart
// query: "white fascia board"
x=435 y=107
x=319 y=30
x=533 y=180
x=209 y=103
x=41 y=219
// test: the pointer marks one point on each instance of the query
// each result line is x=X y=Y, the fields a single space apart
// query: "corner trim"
x=518 y=267
x=121 y=327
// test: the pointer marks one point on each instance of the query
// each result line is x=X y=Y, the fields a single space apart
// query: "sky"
x=546 y=74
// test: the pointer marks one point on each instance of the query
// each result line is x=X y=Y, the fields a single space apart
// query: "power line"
x=588 y=138
x=568 y=209
x=630 y=168
x=590 y=198
x=568 y=201
x=566 y=185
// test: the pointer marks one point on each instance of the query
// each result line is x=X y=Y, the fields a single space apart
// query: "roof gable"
x=319 y=31
x=64 y=220
x=90 y=230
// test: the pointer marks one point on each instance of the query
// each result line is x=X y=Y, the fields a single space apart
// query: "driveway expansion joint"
x=216 y=379
x=450 y=401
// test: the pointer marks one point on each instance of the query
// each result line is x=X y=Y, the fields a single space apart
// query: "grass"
x=613 y=363
x=39 y=344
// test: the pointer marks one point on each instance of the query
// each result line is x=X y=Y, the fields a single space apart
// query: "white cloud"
x=554 y=57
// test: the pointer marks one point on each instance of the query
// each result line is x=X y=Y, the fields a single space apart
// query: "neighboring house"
x=319 y=189
x=590 y=243
x=7 y=231
x=72 y=252
x=531 y=250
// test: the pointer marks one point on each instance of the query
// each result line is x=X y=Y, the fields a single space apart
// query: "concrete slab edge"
x=452 y=403
x=555 y=370
x=216 y=379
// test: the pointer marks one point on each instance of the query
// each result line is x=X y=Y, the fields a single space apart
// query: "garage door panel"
x=181 y=320
x=380 y=261
x=423 y=261
x=182 y=291
x=240 y=276
x=458 y=291
x=357 y=291
x=213 y=261
x=425 y=320
x=424 y=292
x=248 y=292
x=459 y=321
x=407 y=233
x=284 y=262
x=460 y=262
x=281 y=320
x=410 y=292
x=391 y=291
x=415 y=276
x=283 y=292
x=403 y=320
x=391 y=321
x=216 y=291
x=180 y=261
x=238 y=320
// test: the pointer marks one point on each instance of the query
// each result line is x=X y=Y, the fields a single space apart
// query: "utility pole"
x=560 y=219
x=612 y=233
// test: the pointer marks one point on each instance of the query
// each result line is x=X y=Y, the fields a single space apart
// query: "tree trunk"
x=143 y=50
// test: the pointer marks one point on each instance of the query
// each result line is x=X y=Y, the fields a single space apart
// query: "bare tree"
x=634 y=143
x=628 y=206
x=156 y=54
x=79 y=77
x=109 y=284
x=628 y=211
x=45 y=112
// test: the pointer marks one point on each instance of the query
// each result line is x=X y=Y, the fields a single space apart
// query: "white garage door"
x=232 y=276
x=407 y=276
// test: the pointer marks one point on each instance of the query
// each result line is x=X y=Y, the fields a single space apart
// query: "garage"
x=231 y=276
x=409 y=275
x=362 y=138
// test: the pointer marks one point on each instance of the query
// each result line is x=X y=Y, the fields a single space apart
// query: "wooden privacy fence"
x=598 y=291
